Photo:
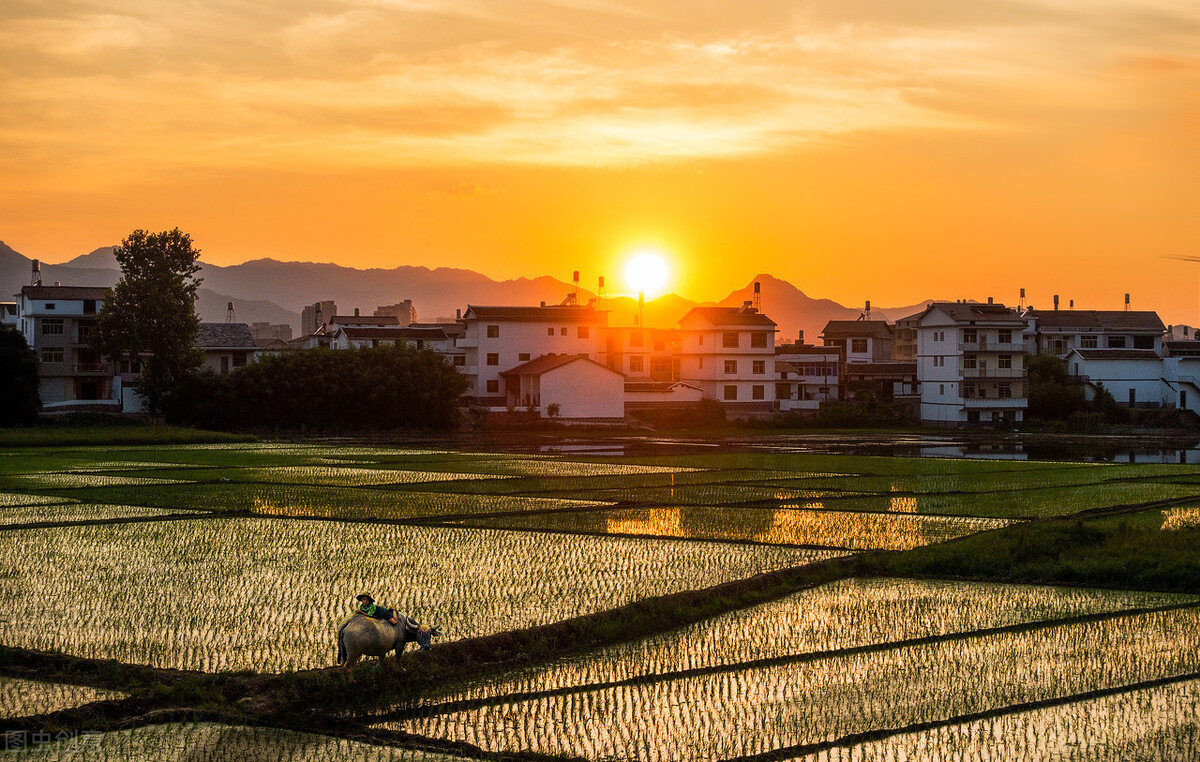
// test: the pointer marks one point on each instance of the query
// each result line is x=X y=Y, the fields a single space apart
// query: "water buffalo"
x=363 y=636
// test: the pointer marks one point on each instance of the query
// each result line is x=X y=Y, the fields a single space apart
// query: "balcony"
x=988 y=345
x=463 y=342
x=990 y=373
x=92 y=369
x=974 y=403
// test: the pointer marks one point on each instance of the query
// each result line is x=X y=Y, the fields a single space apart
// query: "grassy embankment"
x=66 y=435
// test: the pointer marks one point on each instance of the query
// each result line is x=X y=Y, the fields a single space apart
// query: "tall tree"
x=19 y=400
x=151 y=313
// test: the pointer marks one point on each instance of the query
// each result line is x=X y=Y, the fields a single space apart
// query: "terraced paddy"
x=721 y=605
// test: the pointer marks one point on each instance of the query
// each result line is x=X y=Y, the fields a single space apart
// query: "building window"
x=1143 y=342
x=858 y=346
x=493 y=331
x=731 y=392
x=1004 y=336
x=759 y=366
x=635 y=364
x=635 y=338
x=968 y=390
x=941 y=388
x=731 y=366
x=562 y=331
x=50 y=305
x=52 y=354
x=783 y=391
x=493 y=386
x=583 y=331
x=700 y=339
x=1003 y=390
x=758 y=392
x=493 y=358
x=523 y=357
x=89 y=306
x=52 y=327
x=969 y=361
x=729 y=340
x=1116 y=342
x=758 y=341
x=1088 y=342
x=970 y=336
x=460 y=361
x=550 y=331
x=131 y=366
x=700 y=363
x=1004 y=361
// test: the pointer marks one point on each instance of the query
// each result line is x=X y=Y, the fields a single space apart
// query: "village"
x=953 y=364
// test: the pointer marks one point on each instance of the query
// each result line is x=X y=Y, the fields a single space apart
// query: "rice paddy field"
x=233 y=562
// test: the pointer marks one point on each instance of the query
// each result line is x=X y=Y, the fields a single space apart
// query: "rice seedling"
x=745 y=710
x=73 y=480
x=837 y=529
x=846 y=614
x=268 y=594
x=1156 y=723
x=1181 y=518
x=221 y=743
x=23 y=698
x=10 y=500
x=64 y=512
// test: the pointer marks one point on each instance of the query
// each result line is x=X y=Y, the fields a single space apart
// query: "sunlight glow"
x=647 y=272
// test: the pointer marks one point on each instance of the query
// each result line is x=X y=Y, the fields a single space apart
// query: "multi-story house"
x=729 y=353
x=1057 y=332
x=870 y=371
x=806 y=376
x=970 y=364
x=59 y=324
x=498 y=339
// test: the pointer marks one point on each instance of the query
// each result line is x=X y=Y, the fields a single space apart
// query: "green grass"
x=1128 y=551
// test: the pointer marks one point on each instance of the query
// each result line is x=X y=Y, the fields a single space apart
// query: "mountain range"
x=267 y=290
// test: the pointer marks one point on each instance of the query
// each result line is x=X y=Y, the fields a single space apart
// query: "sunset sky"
x=861 y=149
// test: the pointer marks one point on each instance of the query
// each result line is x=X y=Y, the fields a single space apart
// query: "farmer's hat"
x=364 y=595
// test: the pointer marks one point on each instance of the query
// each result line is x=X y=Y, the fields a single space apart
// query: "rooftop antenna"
x=757 y=296
x=1056 y=302
x=229 y=317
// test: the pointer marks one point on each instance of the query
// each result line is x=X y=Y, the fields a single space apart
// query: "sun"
x=647 y=272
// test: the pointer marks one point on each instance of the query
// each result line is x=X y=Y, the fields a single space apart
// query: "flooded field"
x=164 y=552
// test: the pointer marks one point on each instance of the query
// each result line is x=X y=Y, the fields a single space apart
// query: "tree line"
x=392 y=387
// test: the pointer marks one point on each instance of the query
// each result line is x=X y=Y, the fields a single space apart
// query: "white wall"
x=584 y=390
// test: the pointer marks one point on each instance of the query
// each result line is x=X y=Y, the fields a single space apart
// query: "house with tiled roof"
x=227 y=345
x=1134 y=377
x=578 y=388
x=1058 y=332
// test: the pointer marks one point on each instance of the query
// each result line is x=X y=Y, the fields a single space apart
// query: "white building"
x=1057 y=332
x=1134 y=377
x=59 y=324
x=970 y=364
x=729 y=353
x=363 y=337
x=497 y=339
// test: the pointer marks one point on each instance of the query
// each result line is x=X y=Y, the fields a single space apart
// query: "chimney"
x=1127 y=302
x=1071 y=304
x=1056 y=301
x=543 y=304
x=356 y=312
x=458 y=314
x=989 y=300
x=800 y=339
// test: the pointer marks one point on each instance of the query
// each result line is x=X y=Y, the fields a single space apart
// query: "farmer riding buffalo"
x=374 y=630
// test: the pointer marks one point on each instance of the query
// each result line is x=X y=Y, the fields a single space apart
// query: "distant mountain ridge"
x=267 y=290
